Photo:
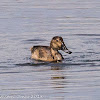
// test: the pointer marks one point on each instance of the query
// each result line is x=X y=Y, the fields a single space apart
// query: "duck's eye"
x=57 y=40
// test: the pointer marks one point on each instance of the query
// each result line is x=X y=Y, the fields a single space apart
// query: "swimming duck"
x=50 y=53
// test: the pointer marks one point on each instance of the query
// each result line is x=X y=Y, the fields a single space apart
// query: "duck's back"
x=41 y=53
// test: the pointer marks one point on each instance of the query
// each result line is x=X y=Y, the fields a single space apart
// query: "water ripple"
x=87 y=34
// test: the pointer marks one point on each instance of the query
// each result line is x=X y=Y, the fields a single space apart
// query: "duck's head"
x=57 y=43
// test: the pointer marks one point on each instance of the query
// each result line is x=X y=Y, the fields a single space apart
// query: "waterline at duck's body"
x=45 y=53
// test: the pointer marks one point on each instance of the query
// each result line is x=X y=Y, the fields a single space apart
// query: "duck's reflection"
x=58 y=78
x=58 y=74
x=58 y=81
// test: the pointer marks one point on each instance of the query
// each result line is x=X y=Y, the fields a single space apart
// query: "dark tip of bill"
x=69 y=52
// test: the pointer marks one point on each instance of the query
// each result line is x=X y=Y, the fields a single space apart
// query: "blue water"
x=24 y=23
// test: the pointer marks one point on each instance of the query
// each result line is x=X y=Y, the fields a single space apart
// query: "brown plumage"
x=50 y=53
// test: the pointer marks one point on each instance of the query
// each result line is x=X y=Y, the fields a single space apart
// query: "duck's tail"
x=31 y=49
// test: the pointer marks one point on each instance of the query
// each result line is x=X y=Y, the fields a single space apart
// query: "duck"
x=50 y=53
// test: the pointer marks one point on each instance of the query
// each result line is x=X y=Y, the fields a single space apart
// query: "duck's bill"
x=64 y=48
x=67 y=51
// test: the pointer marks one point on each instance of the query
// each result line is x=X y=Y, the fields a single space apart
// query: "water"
x=24 y=23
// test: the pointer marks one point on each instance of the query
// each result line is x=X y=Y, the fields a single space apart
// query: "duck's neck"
x=54 y=51
x=56 y=55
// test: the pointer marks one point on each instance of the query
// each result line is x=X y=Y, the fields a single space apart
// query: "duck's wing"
x=41 y=51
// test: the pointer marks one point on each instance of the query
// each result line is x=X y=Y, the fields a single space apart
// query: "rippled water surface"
x=24 y=23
